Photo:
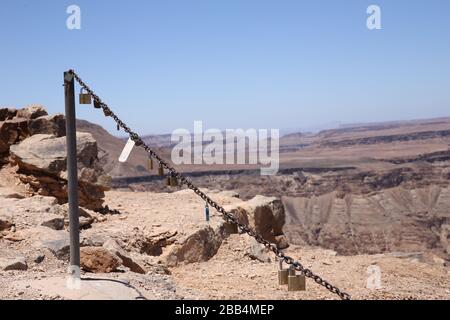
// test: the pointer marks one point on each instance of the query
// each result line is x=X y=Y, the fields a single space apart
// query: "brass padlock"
x=85 y=98
x=150 y=164
x=282 y=274
x=161 y=170
x=296 y=282
x=97 y=104
x=173 y=181
x=168 y=178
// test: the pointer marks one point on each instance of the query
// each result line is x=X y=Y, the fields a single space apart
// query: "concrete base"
x=89 y=288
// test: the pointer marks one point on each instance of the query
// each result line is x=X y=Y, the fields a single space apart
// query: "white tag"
x=126 y=151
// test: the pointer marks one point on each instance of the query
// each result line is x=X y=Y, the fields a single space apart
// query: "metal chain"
x=228 y=217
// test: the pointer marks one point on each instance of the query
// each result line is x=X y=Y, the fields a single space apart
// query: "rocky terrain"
x=33 y=155
x=158 y=246
x=367 y=189
x=147 y=241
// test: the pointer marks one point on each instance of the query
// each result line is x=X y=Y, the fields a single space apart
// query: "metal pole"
x=72 y=172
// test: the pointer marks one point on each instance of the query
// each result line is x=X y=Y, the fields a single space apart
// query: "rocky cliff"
x=33 y=157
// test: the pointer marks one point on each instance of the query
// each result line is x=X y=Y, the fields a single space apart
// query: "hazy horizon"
x=313 y=129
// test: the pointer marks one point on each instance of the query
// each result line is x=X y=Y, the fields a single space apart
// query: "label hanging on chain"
x=207 y=213
x=126 y=151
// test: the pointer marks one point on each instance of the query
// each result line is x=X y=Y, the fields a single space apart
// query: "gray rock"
x=199 y=246
x=57 y=242
x=55 y=223
x=112 y=246
x=41 y=152
x=93 y=239
x=258 y=252
x=60 y=248
x=5 y=223
x=39 y=258
x=9 y=264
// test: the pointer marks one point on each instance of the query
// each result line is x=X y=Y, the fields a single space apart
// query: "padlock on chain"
x=296 y=282
x=97 y=104
x=173 y=181
x=168 y=180
x=150 y=164
x=282 y=273
x=160 y=170
x=85 y=98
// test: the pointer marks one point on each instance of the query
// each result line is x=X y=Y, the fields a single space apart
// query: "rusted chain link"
x=228 y=217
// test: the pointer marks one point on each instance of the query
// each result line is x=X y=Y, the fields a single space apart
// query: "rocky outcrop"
x=396 y=219
x=33 y=142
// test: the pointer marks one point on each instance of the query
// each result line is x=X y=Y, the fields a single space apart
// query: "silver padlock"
x=296 y=282
x=282 y=274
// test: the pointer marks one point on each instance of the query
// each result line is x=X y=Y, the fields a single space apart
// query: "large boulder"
x=265 y=215
x=199 y=246
x=42 y=163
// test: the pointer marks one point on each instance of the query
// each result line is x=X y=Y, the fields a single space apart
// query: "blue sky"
x=231 y=63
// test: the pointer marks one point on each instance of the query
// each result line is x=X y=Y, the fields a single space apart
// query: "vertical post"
x=72 y=172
